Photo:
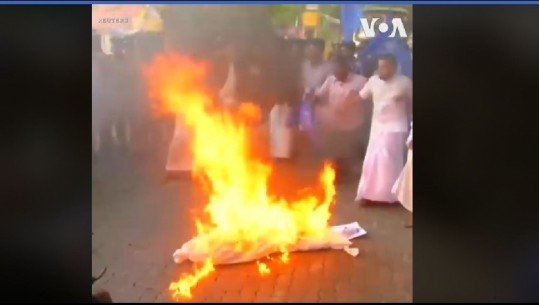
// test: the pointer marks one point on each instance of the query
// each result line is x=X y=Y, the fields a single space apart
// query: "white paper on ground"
x=350 y=230
x=352 y=251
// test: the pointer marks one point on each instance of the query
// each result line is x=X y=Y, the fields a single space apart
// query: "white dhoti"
x=403 y=187
x=179 y=152
x=280 y=133
x=382 y=166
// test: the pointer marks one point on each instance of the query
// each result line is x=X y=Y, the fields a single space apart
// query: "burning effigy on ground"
x=243 y=222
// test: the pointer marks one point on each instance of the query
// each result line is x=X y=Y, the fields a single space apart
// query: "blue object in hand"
x=306 y=117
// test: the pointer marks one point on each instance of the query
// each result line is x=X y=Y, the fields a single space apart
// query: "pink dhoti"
x=179 y=152
x=403 y=187
x=382 y=166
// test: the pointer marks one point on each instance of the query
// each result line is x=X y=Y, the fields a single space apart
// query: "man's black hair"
x=318 y=43
x=341 y=61
x=389 y=57
x=290 y=44
x=296 y=42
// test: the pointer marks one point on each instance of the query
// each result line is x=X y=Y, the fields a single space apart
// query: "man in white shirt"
x=341 y=117
x=391 y=94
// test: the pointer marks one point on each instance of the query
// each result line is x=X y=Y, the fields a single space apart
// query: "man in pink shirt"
x=391 y=94
x=341 y=117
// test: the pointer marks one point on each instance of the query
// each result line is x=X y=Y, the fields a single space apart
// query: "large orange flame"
x=240 y=211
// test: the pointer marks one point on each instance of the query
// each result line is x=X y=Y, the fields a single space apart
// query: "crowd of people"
x=363 y=117
x=357 y=115
x=121 y=114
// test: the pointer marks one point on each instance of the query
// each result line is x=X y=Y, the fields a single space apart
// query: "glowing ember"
x=263 y=268
x=284 y=257
x=244 y=223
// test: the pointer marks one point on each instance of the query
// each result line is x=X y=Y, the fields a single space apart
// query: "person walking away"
x=403 y=187
x=391 y=93
x=342 y=133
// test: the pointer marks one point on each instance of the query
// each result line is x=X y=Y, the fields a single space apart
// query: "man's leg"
x=382 y=166
x=345 y=143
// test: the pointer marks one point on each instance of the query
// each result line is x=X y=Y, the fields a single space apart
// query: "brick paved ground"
x=137 y=225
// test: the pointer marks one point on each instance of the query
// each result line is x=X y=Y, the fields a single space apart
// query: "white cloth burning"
x=222 y=250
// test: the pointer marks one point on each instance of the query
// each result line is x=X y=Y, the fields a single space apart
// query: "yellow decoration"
x=152 y=20
x=311 y=19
